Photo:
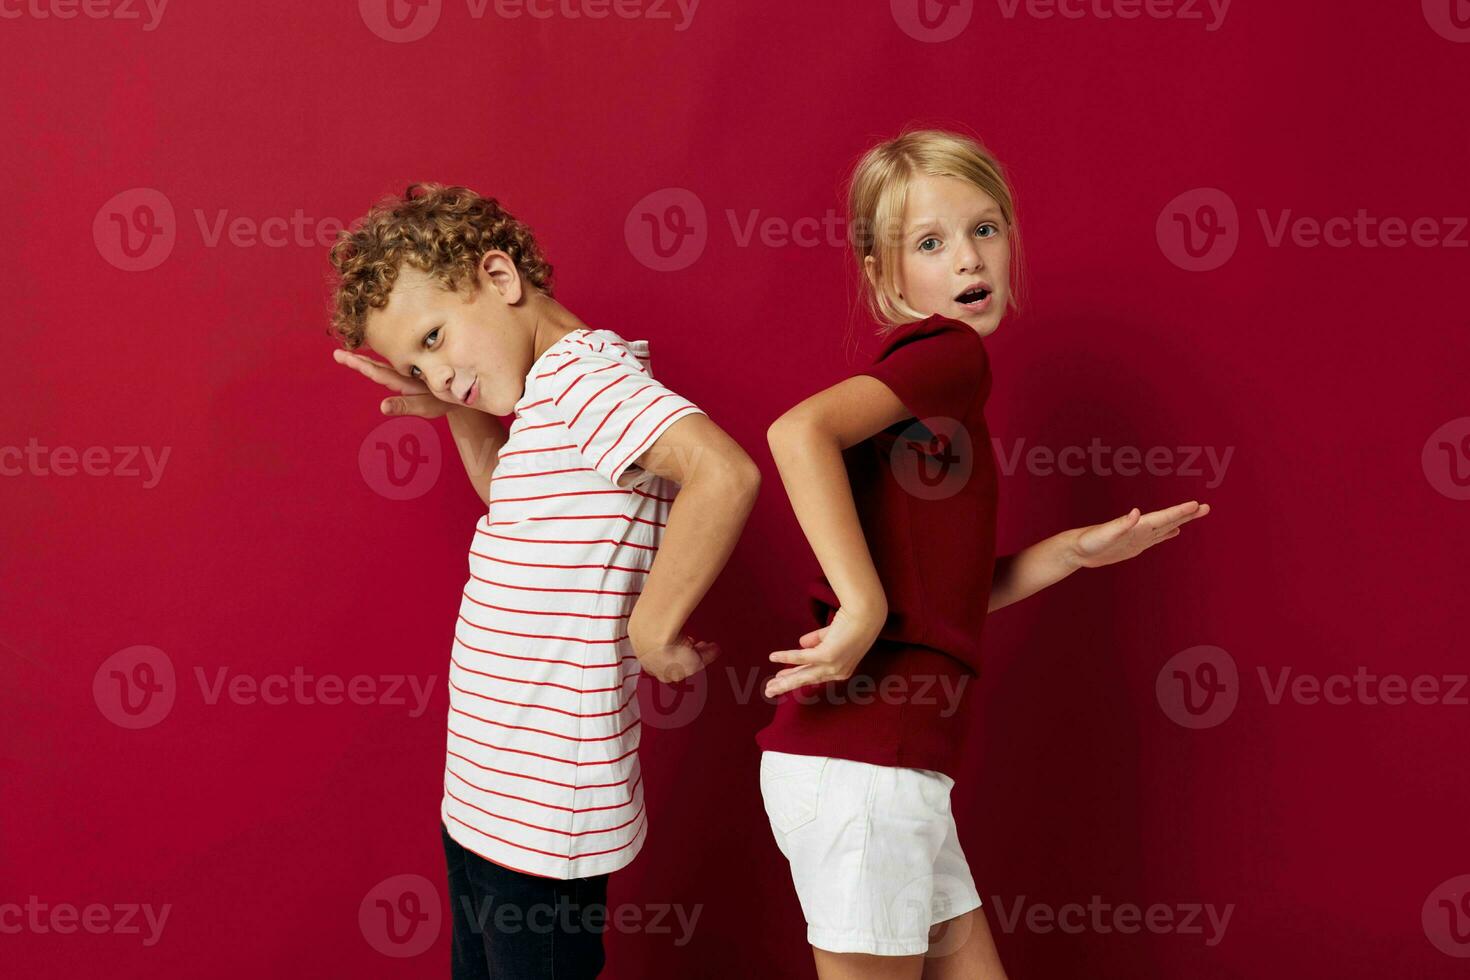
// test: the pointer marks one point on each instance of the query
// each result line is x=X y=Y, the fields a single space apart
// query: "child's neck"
x=549 y=323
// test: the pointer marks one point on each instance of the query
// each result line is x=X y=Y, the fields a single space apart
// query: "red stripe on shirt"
x=549 y=830
x=565 y=857
x=541 y=731
x=542 y=636
x=522 y=476
x=539 y=588
x=573 y=423
x=543 y=660
x=609 y=414
x=540 y=755
x=506 y=537
x=569 y=493
x=548 y=449
x=545 y=707
x=632 y=796
x=533 y=564
x=580 y=517
x=634 y=454
x=568 y=389
x=518 y=680
x=539 y=612
x=578 y=787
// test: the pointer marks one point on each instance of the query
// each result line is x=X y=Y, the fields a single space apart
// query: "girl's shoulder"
x=946 y=337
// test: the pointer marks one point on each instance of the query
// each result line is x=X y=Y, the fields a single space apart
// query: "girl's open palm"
x=1131 y=534
x=831 y=653
x=414 y=397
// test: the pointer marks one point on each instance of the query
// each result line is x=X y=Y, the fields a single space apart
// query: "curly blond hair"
x=442 y=231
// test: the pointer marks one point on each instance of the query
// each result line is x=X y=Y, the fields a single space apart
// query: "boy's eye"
x=429 y=340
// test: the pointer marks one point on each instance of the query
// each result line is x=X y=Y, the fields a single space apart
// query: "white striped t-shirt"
x=542 y=772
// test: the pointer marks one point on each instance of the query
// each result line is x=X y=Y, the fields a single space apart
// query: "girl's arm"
x=1032 y=569
x=807 y=444
x=1052 y=559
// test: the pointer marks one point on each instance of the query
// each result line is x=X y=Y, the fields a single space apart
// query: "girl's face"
x=955 y=253
x=465 y=346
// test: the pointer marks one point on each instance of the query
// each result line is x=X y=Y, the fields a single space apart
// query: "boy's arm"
x=478 y=436
x=718 y=487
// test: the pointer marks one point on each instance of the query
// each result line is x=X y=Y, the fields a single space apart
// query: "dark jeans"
x=509 y=925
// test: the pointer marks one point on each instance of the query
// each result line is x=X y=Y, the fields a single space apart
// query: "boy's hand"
x=831 y=653
x=1127 y=536
x=673 y=662
x=414 y=396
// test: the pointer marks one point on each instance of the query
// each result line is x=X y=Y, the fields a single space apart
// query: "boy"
x=582 y=572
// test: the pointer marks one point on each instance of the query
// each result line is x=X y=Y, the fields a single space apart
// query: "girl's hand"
x=1126 y=536
x=414 y=396
x=831 y=653
x=672 y=662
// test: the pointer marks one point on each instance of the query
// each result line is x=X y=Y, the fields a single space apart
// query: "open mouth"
x=973 y=296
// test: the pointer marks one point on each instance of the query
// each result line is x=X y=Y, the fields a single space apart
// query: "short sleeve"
x=614 y=410
x=937 y=369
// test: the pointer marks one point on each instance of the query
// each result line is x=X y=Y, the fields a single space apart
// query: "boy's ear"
x=498 y=271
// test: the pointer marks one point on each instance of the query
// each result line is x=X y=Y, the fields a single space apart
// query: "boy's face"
x=468 y=347
x=955 y=254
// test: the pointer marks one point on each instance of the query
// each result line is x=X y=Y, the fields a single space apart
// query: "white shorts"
x=873 y=851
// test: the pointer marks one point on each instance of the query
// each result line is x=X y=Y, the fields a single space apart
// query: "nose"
x=440 y=380
x=968 y=256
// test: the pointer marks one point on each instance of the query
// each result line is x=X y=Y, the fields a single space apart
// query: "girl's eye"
x=994 y=230
x=923 y=246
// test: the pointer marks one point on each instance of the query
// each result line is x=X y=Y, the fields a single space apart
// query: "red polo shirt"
x=926 y=491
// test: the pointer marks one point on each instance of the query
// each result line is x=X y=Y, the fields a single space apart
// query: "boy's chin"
x=498 y=409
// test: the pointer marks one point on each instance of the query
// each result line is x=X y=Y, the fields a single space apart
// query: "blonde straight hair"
x=878 y=192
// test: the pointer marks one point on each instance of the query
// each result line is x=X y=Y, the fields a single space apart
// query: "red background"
x=263 y=549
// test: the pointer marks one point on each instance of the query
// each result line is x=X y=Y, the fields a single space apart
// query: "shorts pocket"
x=791 y=788
x=933 y=789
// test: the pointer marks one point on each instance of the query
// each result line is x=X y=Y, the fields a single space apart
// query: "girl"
x=893 y=480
